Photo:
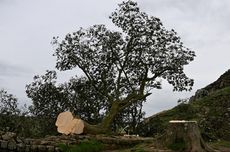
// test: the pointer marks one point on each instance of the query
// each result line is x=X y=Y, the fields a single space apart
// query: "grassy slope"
x=212 y=113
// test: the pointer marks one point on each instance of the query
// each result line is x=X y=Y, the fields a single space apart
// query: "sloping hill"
x=222 y=82
x=210 y=106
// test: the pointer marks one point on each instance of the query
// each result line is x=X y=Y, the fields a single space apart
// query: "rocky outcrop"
x=200 y=93
x=222 y=82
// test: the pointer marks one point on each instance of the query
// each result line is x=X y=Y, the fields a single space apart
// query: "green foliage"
x=76 y=95
x=9 y=111
x=179 y=145
x=154 y=127
x=84 y=100
x=8 y=103
x=48 y=99
x=185 y=112
x=128 y=119
x=38 y=127
x=27 y=126
x=139 y=150
x=17 y=120
x=84 y=146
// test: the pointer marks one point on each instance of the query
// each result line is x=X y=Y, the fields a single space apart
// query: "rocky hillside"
x=222 y=82
x=210 y=106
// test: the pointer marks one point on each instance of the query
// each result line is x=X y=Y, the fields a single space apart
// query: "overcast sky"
x=27 y=28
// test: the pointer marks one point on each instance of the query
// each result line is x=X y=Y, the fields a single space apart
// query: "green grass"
x=139 y=148
x=84 y=146
x=221 y=143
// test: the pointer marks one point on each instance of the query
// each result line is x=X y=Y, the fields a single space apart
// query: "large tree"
x=125 y=66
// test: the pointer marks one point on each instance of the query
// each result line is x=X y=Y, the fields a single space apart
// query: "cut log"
x=185 y=136
x=67 y=124
x=64 y=118
x=77 y=126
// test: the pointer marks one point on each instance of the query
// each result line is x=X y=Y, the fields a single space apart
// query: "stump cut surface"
x=67 y=124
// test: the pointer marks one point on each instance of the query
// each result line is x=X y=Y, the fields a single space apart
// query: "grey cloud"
x=211 y=11
x=6 y=1
x=11 y=70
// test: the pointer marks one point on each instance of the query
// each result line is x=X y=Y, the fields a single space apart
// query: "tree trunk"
x=67 y=124
x=104 y=126
x=107 y=121
x=185 y=136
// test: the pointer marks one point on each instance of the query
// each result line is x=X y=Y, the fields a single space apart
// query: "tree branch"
x=144 y=80
x=95 y=87
x=158 y=74
x=132 y=99
x=121 y=70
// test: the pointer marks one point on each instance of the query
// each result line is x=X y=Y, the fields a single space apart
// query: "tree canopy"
x=122 y=67
x=128 y=62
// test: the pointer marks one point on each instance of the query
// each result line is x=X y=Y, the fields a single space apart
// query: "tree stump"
x=185 y=136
